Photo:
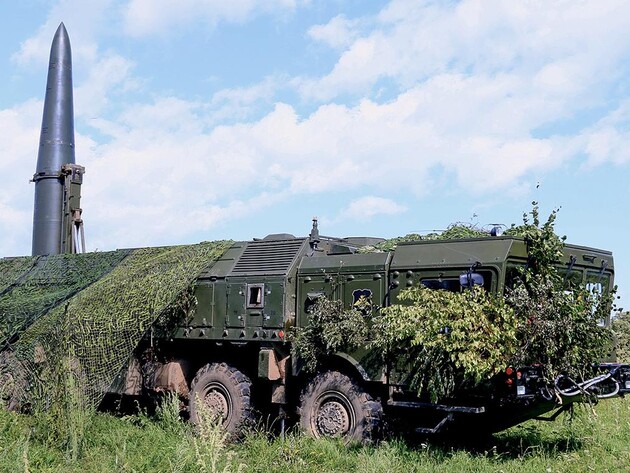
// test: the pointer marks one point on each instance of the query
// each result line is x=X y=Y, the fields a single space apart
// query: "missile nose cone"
x=60 y=48
x=56 y=142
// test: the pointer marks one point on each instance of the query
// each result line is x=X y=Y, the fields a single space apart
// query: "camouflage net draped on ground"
x=90 y=329
x=31 y=286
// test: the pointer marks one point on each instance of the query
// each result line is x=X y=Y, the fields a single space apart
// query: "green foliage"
x=212 y=452
x=168 y=412
x=330 y=329
x=544 y=247
x=458 y=230
x=558 y=329
x=591 y=443
x=621 y=333
x=446 y=340
x=558 y=324
x=454 y=231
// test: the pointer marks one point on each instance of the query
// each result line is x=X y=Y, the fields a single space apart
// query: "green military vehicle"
x=232 y=353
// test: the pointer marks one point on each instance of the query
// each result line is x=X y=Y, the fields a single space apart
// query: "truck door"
x=364 y=291
x=255 y=302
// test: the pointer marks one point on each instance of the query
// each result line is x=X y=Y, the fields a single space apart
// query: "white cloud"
x=609 y=139
x=164 y=168
x=148 y=17
x=83 y=20
x=337 y=33
x=240 y=102
x=19 y=135
x=365 y=208
x=413 y=41
x=110 y=73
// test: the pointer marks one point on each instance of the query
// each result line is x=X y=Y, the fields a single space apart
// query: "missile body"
x=56 y=148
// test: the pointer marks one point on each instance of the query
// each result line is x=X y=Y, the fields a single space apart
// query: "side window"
x=597 y=282
x=255 y=296
x=442 y=283
x=512 y=276
x=452 y=283
x=572 y=279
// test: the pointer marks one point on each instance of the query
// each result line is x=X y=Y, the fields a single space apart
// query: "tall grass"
x=163 y=443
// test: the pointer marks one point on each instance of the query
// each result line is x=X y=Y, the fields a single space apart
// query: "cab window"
x=255 y=296
x=453 y=283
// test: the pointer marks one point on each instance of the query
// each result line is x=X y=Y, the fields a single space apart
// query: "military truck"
x=231 y=353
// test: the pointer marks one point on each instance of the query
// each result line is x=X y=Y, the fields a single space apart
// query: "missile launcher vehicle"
x=230 y=353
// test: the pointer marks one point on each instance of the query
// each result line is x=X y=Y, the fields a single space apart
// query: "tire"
x=226 y=393
x=333 y=405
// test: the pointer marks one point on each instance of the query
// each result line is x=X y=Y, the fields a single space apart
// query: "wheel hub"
x=332 y=419
x=217 y=405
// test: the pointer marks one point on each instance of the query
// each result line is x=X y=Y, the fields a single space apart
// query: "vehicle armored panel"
x=269 y=257
x=464 y=252
x=223 y=266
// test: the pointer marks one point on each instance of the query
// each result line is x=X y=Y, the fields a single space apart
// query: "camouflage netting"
x=31 y=286
x=84 y=315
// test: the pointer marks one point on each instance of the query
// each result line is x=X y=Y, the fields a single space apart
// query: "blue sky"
x=204 y=119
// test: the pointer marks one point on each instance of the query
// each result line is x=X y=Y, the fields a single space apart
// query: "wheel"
x=332 y=405
x=226 y=394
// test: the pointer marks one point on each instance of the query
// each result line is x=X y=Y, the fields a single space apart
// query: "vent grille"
x=268 y=257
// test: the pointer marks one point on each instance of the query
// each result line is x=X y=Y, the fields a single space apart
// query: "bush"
x=621 y=335
x=331 y=329
x=447 y=340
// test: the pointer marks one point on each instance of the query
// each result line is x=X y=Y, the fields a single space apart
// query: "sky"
x=205 y=119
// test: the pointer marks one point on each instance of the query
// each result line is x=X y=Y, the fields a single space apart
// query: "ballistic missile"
x=56 y=149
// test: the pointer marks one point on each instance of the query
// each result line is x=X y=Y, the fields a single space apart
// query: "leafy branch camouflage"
x=449 y=341
x=446 y=340
x=455 y=230
x=558 y=324
x=621 y=334
x=331 y=329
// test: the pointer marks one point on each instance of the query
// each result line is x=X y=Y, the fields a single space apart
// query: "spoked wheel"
x=333 y=405
x=222 y=393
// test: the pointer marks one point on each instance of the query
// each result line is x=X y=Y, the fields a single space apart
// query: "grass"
x=162 y=443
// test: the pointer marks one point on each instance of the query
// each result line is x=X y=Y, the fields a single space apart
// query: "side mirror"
x=470 y=279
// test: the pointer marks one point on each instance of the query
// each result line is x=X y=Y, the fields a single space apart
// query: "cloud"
x=240 y=103
x=557 y=44
x=19 y=135
x=165 y=167
x=110 y=74
x=83 y=20
x=337 y=33
x=365 y=208
x=609 y=139
x=149 y=17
